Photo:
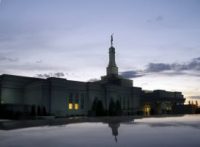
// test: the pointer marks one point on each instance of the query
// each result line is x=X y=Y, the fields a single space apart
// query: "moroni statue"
x=111 y=40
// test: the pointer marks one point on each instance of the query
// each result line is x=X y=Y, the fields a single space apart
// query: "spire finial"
x=111 y=40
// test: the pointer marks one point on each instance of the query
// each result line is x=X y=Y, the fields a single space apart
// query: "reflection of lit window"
x=70 y=106
x=76 y=106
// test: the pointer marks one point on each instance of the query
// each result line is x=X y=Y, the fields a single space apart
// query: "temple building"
x=112 y=95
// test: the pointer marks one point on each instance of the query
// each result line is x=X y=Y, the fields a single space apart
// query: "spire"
x=112 y=68
x=111 y=39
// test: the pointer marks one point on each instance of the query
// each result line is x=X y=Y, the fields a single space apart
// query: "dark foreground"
x=180 y=131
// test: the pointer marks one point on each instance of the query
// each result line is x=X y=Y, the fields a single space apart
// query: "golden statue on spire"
x=111 y=40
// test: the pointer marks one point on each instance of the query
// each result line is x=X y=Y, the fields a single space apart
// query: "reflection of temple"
x=114 y=124
x=114 y=127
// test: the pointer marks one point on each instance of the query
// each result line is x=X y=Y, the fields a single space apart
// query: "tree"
x=38 y=110
x=94 y=105
x=33 y=108
x=112 y=108
x=99 y=109
x=44 y=112
x=118 y=108
x=196 y=103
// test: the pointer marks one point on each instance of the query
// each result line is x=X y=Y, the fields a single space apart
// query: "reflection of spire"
x=115 y=138
x=114 y=127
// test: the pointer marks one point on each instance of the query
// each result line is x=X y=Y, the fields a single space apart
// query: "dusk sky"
x=157 y=41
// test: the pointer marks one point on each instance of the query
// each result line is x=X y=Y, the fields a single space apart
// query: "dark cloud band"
x=190 y=68
x=48 y=75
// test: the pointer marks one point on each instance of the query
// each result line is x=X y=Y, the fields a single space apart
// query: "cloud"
x=193 y=65
x=38 y=61
x=93 y=80
x=195 y=97
x=156 y=19
x=159 y=18
x=8 y=59
x=158 y=67
x=190 y=68
x=48 y=75
x=131 y=74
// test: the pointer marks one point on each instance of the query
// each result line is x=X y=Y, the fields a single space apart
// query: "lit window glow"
x=147 y=110
x=70 y=107
x=76 y=106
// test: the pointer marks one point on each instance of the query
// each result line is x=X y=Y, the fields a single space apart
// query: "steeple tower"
x=112 y=68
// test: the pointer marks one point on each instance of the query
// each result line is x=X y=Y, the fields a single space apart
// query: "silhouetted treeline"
x=10 y=111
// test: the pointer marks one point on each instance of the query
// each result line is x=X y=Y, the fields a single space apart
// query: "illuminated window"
x=147 y=109
x=76 y=106
x=70 y=106
x=70 y=102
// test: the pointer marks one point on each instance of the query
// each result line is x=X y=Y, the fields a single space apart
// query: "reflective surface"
x=181 y=131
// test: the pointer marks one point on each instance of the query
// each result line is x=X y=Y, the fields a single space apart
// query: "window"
x=73 y=103
x=147 y=109
x=76 y=106
x=82 y=101
x=77 y=98
x=70 y=102
x=70 y=106
x=70 y=98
